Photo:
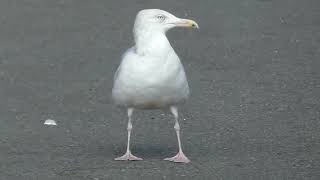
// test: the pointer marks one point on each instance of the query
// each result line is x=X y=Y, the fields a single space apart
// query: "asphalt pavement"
x=253 y=69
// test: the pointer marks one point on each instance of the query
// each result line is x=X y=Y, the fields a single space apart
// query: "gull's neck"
x=151 y=43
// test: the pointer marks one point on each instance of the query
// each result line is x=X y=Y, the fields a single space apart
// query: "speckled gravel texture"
x=253 y=68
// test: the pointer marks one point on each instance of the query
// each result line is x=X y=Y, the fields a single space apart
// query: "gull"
x=150 y=75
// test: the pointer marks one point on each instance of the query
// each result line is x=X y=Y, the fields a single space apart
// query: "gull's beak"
x=186 y=23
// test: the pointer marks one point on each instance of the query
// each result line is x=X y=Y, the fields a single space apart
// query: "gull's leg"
x=180 y=157
x=128 y=155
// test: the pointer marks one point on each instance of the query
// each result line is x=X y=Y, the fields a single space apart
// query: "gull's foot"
x=128 y=157
x=180 y=157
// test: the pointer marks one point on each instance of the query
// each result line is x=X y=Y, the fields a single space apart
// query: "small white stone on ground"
x=50 y=122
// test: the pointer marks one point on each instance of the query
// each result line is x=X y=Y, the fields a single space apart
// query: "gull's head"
x=156 y=20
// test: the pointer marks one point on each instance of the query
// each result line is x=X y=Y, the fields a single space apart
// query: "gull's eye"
x=161 y=18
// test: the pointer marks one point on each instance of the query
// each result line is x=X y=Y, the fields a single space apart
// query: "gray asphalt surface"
x=253 y=68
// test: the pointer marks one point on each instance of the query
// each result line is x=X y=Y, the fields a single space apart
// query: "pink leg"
x=180 y=157
x=128 y=156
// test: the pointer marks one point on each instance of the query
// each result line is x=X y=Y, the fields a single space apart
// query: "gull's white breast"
x=150 y=81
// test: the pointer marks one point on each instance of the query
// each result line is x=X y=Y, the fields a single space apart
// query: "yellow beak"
x=187 y=23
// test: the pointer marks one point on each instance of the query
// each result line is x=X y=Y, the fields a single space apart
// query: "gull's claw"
x=180 y=158
x=128 y=157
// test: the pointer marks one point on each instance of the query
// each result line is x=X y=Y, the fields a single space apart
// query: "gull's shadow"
x=146 y=151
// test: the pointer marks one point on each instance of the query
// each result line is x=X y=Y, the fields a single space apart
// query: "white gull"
x=151 y=75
